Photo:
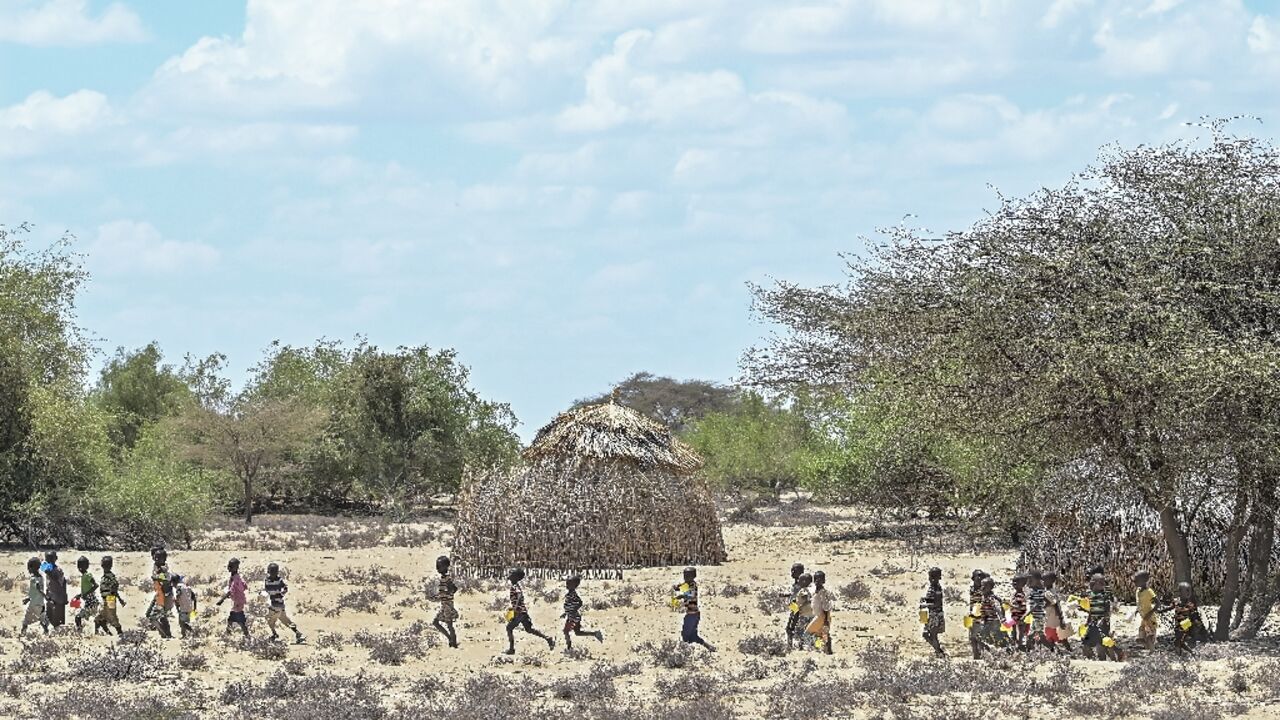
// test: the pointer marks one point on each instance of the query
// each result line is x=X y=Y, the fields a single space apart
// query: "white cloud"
x=127 y=247
x=44 y=122
x=67 y=23
x=43 y=112
x=441 y=58
x=1060 y=10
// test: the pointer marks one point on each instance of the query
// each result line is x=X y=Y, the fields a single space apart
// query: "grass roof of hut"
x=611 y=432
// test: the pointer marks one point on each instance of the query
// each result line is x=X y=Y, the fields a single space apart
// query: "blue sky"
x=565 y=192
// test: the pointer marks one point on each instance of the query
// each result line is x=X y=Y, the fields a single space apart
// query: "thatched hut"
x=601 y=489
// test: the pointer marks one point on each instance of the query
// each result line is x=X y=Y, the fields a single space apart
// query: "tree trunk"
x=1231 y=563
x=1176 y=541
x=1263 y=587
x=248 y=500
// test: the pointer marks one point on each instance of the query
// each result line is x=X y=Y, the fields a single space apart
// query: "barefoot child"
x=518 y=614
x=802 y=610
x=184 y=598
x=974 y=617
x=1188 y=626
x=573 y=614
x=820 y=627
x=1056 y=633
x=110 y=588
x=1036 y=607
x=447 y=614
x=162 y=585
x=687 y=593
x=1145 y=598
x=1018 y=610
x=237 y=591
x=35 y=598
x=990 y=616
x=55 y=590
x=87 y=597
x=794 y=628
x=932 y=611
x=276 y=588
x=1097 y=636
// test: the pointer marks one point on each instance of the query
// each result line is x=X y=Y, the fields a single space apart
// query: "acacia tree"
x=246 y=436
x=674 y=403
x=1108 y=319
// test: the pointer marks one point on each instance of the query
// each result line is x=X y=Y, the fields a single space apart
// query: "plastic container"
x=924 y=616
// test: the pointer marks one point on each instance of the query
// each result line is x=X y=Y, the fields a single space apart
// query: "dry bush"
x=688 y=686
x=294 y=666
x=132 y=637
x=393 y=648
x=103 y=701
x=771 y=602
x=283 y=697
x=405 y=536
x=373 y=576
x=593 y=686
x=855 y=590
x=42 y=650
x=331 y=641
x=365 y=600
x=893 y=597
x=667 y=653
x=193 y=661
x=730 y=590
x=264 y=648
x=129 y=662
x=753 y=669
x=765 y=644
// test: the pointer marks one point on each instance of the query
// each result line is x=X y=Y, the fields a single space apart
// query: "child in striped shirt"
x=518 y=614
x=276 y=588
x=573 y=614
x=445 y=590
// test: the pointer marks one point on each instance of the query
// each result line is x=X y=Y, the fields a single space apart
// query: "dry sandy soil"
x=360 y=591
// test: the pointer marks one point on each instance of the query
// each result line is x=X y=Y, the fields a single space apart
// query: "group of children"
x=810 y=612
x=98 y=599
x=517 y=615
x=809 y=618
x=808 y=623
x=1036 y=615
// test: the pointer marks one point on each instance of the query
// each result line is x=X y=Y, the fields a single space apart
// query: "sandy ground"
x=846 y=544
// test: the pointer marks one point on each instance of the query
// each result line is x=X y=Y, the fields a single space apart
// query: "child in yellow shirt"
x=1146 y=601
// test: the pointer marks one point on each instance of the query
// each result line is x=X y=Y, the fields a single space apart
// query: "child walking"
x=108 y=617
x=35 y=598
x=1145 y=598
x=974 y=617
x=55 y=590
x=1036 y=597
x=184 y=599
x=1097 y=638
x=447 y=614
x=820 y=627
x=1018 y=611
x=794 y=628
x=932 y=612
x=276 y=588
x=518 y=614
x=801 y=607
x=687 y=593
x=162 y=586
x=1055 y=620
x=573 y=614
x=1188 y=626
x=88 y=596
x=237 y=592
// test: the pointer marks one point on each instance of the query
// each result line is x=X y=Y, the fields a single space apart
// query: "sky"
x=565 y=192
